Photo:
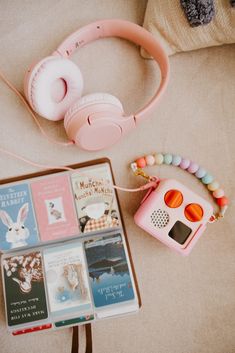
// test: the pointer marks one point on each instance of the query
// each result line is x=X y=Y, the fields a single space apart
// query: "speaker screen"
x=180 y=232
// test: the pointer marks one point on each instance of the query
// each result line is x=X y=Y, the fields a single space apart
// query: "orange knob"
x=173 y=198
x=193 y=212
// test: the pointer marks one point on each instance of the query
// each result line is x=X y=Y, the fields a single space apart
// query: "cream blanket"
x=168 y=23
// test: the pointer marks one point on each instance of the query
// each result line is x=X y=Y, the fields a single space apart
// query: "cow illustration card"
x=67 y=279
x=54 y=206
x=24 y=288
x=109 y=273
x=17 y=220
x=95 y=198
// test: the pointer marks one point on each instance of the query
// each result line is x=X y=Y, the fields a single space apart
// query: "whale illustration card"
x=109 y=273
x=95 y=198
x=17 y=220
x=54 y=207
x=24 y=288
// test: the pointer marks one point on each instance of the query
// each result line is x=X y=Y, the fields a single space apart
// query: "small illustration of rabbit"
x=57 y=214
x=17 y=232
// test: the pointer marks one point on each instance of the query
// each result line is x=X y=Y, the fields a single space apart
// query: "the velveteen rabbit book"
x=17 y=220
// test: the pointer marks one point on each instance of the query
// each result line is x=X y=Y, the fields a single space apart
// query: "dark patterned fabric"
x=198 y=12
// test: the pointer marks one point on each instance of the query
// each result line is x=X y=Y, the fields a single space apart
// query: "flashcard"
x=24 y=288
x=95 y=198
x=17 y=221
x=109 y=274
x=54 y=207
x=66 y=277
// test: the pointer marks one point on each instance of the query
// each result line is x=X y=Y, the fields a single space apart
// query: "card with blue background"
x=17 y=220
x=67 y=280
x=109 y=273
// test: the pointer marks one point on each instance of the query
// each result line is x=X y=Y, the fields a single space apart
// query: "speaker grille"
x=159 y=218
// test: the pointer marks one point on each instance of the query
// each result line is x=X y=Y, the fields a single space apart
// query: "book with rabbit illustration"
x=24 y=288
x=54 y=207
x=66 y=277
x=109 y=272
x=17 y=220
x=95 y=198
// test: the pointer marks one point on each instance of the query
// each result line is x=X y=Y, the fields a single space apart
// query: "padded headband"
x=125 y=30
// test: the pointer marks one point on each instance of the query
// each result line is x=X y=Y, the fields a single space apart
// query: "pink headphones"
x=53 y=88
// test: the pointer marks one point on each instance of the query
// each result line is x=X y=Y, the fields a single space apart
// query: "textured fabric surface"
x=168 y=23
x=198 y=12
x=188 y=304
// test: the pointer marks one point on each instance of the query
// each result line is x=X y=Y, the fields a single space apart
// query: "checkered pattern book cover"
x=95 y=198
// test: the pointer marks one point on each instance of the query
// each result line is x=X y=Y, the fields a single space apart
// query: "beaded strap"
x=191 y=167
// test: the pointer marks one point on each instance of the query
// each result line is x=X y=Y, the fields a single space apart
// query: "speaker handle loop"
x=191 y=167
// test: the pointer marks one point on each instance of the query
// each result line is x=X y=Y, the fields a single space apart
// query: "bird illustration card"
x=54 y=206
x=67 y=279
x=17 y=220
x=24 y=288
x=95 y=198
x=109 y=272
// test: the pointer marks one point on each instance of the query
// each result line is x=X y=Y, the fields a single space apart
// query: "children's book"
x=67 y=281
x=95 y=198
x=24 y=288
x=109 y=273
x=17 y=221
x=54 y=207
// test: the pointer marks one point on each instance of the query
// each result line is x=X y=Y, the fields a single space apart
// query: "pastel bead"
x=218 y=193
x=200 y=173
x=159 y=158
x=184 y=163
x=213 y=186
x=150 y=160
x=141 y=163
x=222 y=201
x=176 y=160
x=193 y=167
x=167 y=158
x=207 y=179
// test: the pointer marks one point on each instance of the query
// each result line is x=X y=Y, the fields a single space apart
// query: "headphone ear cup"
x=82 y=120
x=52 y=86
x=93 y=103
